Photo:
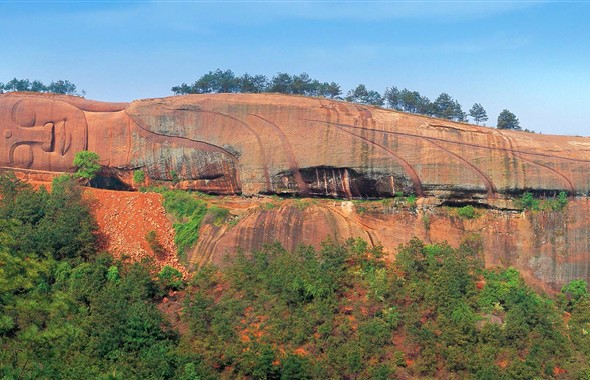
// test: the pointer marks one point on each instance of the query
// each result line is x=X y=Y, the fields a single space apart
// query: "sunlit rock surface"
x=261 y=143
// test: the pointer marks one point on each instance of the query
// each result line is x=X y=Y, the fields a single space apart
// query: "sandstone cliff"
x=276 y=144
x=262 y=143
x=550 y=248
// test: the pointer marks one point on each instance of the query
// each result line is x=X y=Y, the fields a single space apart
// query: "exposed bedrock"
x=262 y=144
x=275 y=144
x=550 y=248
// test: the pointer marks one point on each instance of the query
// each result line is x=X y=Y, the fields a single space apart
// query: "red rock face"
x=549 y=248
x=39 y=133
x=319 y=147
x=43 y=132
x=261 y=143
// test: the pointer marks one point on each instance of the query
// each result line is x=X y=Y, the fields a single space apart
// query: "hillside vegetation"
x=69 y=311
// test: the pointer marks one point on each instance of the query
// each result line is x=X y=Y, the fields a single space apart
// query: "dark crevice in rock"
x=465 y=202
x=109 y=182
x=341 y=182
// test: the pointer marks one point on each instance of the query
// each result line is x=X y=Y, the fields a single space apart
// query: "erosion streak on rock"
x=293 y=165
x=491 y=188
x=462 y=143
x=417 y=184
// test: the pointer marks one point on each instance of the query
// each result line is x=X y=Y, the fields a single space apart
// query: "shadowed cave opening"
x=109 y=181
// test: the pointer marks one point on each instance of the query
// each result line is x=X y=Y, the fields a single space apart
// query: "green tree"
x=171 y=278
x=183 y=89
x=478 y=113
x=225 y=81
x=281 y=83
x=413 y=102
x=57 y=87
x=252 y=83
x=576 y=289
x=157 y=248
x=10 y=188
x=204 y=84
x=361 y=95
x=62 y=87
x=18 y=85
x=138 y=177
x=37 y=86
x=217 y=81
x=302 y=84
x=87 y=163
x=446 y=107
x=507 y=120
x=329 y=90
x=393 y=99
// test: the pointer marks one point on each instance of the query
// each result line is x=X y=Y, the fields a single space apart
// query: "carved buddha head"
x=40 y=133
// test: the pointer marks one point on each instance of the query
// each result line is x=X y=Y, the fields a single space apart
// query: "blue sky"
x=532 y=58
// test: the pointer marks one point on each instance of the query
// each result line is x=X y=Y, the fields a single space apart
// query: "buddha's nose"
x=35 y=135
x=48 y=132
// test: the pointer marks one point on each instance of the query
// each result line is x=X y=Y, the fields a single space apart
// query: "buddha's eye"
x=23 y=113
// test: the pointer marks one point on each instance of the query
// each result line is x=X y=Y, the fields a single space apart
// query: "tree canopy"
x=478 y=113
x=445 y=107
x=57 y=87
x=507 y=120
x=220 y=81
x=363 y=96
x=87 y=164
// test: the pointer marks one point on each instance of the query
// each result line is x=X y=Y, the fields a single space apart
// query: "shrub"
x=174 y=176
x=138 y=176
x=267 y=206
x=426 y=221
x=528 y=202
x=219 y=214
x=556 y=203
x=189 y=213
x=171 y=278
x=302 y=204
x=87 y=163
x=360 y=209
x=157 y=248
x=562 y=199
x=113 y=274
x=466 y=212
x=576 y=289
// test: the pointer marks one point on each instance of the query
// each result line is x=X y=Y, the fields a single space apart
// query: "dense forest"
x=69 y=310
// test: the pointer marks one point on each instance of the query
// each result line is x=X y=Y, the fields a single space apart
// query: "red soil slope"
x=125 y=218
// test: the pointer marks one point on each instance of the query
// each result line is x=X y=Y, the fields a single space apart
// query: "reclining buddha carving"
x=266 y=143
